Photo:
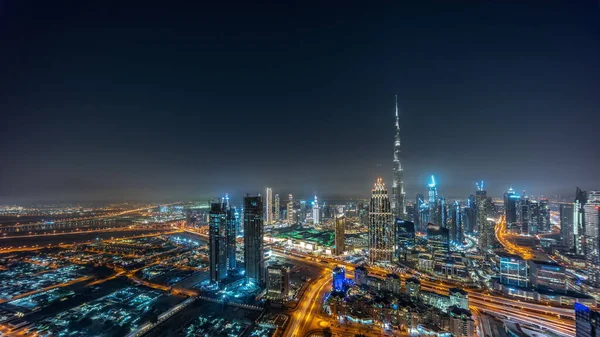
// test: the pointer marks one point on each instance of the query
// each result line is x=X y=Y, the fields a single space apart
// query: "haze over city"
x=107 y=101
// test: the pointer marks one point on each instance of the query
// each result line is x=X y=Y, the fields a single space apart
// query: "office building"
x=536 y=222
x=217 y=241
x=481 y=205
x=398 y=194
x=578 y=218
x=459 y=298
x=361 y=276
x=316 y=212
x=269 y=206
x=469 y=219
x=412 y=287
x=587 y=321
x=461 y=323
x=434 y=215
x=544 y=220
x=591 y=218
x=523 y=215
x=419 y=204
x=411 y=214
x=291 y=213
x=405 y=238
x=547 y=275
x=340 y=232
x=254 y=259
x=232 y=225
x=339 y=278
x=566 y=226
x=510 y=209
x=455 y=227
x=278 y=281
x=276 y=213
x=393 y=283
x=381 y=232
x=438 y=238
x=514 y=271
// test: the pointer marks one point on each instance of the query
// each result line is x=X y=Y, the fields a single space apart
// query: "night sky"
x=111 y=101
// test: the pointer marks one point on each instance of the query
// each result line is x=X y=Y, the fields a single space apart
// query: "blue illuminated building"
x=339 y=278
x=510 y=208
x=587 y=321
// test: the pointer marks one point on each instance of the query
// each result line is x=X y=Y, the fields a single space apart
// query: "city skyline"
x=480 y=88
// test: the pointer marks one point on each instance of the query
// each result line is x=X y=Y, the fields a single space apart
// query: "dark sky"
x=105 y=100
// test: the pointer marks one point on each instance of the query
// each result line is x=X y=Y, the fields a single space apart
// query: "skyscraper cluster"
x=223 y=225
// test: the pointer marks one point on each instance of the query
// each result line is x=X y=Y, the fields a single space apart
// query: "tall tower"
x=398 y=178
x=290 y=210
x=254 y=259
x=578 y=220
x=381 y=229
x=277 y=206
x=340 y=231
x=269 y=207
x=316 y=213
x=592 y=236
x=231 y=233
x=217 y=242
x=434 y=215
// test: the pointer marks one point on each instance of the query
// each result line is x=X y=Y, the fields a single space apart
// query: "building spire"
x=397 y=117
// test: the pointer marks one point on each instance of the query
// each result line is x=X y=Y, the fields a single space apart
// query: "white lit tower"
x=381 y=231
x=398 y=177
x=277 y=216
x=316 y=215
x=269 y=207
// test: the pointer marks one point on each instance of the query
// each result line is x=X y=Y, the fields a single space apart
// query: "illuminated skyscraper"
x=578 y=220
x=433 y=202
x=544 y=221
x=566 y=226
x=523 y=215
x=254 y=259
x=381 y=231
x=290 y=210
x=217 y=241
x=398 y=179
x=480 y=205
x=420 y=223
x=232 y=223
x=316 y=212
x=592 y=236
x=277 y=217
x=269 y=207
x=510 y=209
x=340 y=232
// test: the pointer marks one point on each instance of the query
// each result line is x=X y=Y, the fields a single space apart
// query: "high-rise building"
x=316 y=212
x=419 y=205
x=513 y=271
x=510 y=209
x=381 y=232
x=411 y=214
x=254 y=259
x=459 y=298
x=566 y=226
x=412 y=287
x=536 y=222
x=480 y=206
x=443 y=211
x=232 y=224
x=434 y=215
x=523 y=215
x=269 y=206
x=340 y=232
x=405 y=238
x=592 y=236
x=547 y=275
x=290 y=210
x=217 y=241
x=339 y=278
x=393 y=283
x=278 y=281
x=578 y=220
x=398 y=178
x=469 y=219
x=438 y=238
x=587 y=321
x=455 y=227
x=361 y=276
x=277 y=215
x=544 y=220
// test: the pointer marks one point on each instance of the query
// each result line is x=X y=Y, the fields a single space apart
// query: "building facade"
x=254 y=259
x=398 y=194
x=340 y=232
x=217 y=241
x=381 y=233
